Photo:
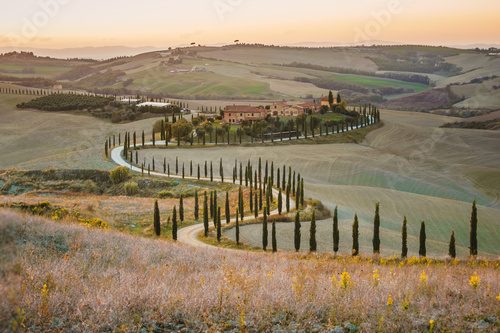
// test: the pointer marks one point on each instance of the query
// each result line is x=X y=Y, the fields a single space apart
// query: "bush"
x=131 y=188
x=165 y=194
x=119 y=174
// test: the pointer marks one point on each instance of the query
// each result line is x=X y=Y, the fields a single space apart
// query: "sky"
x=162 y=23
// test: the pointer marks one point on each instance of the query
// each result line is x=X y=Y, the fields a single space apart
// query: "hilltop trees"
x=156 y=219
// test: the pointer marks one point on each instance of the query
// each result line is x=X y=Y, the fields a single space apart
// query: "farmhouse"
x=235 y=114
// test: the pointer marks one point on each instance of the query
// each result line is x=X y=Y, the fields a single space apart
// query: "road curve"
x=189 y=235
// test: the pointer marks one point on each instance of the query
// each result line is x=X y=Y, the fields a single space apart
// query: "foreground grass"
x=58 y=276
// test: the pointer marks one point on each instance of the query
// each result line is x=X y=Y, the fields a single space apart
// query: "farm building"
x=235 y=114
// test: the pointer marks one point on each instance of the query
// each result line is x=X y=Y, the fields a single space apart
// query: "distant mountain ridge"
x=97 y=53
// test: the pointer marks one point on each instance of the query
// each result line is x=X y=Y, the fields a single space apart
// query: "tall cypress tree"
x=241 y=205
x=473 y=230
x=336 y=234
x=174 y=224
x=312 y=235
x=196 y=206
x=219 y=231
x=181 y=209
x=256 y=207
x=280 y=202
x=264 y=232
x=376 y=231
x=156 y=219
x=227 y=212
x=273 y=237
x=404 y=239
x=211 y=172
x=452 y=251
x=422 y=251
x=205 y=214
x=355 y=236
x=296 y=232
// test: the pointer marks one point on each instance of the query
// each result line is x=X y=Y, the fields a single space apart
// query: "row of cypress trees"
x=473 y=247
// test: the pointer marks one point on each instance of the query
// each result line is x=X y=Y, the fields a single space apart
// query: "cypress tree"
x=206 y=169
x=156 y=219
x=404 y=240
x=205 y=214
x=273 y=237
x=196 y=206
x=422 y=251
x=312 y=233
x=198 y=174
x=237 y=229
x=256 y=207
x=183 y=170
x=251 y=199
x=228 y=212
x=241 y=205
x=296 y=232
x=211 y=172
x=473 y=230
x=176 y=165
x=181 y=209
x=219 y=231
x=174 y=223
x=336 y=233
x=452 y=251
x=280 y=202
x=264 y=232
x=221 y=171
x=355 y=236
x=376 y=231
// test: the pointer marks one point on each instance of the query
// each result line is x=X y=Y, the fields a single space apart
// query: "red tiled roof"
x=242 y=109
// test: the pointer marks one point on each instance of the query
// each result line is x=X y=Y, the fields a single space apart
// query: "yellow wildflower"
x=390 y=301
x=345 y=280
x=376 y=277
x=498 y=297
x=431 y=325
x=474 y=280
x=423 y=278
x=406 y=303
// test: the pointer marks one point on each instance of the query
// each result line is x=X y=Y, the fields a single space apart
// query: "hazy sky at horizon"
x=76 y=23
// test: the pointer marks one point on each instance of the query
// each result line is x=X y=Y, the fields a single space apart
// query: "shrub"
x=131 y=188
x=119 y=174
x=94 y=222
x=165 y=194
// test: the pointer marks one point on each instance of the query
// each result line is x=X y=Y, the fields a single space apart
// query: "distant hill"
x=404 y=77
x=98 y=53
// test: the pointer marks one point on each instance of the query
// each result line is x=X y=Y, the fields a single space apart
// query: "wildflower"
x=390 y=301
x=498 y=297
x=376 y=277
x=345 y=280
x=45 y=290
x=474 y=281
x=431 y=325
x=423 y=278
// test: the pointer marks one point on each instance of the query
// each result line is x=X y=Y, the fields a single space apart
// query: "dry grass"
x=62 y=277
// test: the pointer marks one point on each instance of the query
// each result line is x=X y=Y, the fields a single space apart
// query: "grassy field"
x=57 y=276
